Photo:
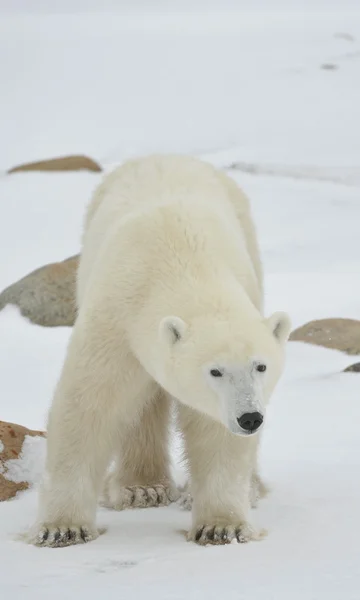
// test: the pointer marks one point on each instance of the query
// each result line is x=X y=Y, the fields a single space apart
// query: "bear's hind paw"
x=139 y=496
x=258 y=490
x=185 y=501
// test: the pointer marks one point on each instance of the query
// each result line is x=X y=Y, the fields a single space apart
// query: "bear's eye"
x=216 y=373
x=261 y=368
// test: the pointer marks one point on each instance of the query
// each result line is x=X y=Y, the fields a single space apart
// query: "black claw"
x=211 y=534
x=147 y=497
x=84 y=534
x=57 y=536
x=217 y=535
x=224 y=535
x=199 y=533
x=153 y=501
x=67 y=535
x=238 y=534
x=132 y=496
x=158 y=498
x=45 y=535
x=72 y=535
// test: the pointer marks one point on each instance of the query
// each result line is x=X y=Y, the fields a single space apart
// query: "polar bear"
x=170 y=310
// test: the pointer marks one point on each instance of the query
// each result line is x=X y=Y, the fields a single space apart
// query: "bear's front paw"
x=224 y=534
x=53 y=536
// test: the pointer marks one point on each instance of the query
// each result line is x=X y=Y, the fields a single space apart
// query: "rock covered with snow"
x=22 y=455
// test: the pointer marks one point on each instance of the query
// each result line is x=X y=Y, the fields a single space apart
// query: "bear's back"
x=153 y=180
x=173 y=185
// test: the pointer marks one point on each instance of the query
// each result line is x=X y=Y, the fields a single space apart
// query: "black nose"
x=250 y=421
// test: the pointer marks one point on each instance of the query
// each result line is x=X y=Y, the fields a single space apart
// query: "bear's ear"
x=280 y=325
x=172 y=329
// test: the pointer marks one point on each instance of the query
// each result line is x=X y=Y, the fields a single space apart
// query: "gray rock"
x=329 y=67
x=355 y=368
x=340 y=334
x=46 y=296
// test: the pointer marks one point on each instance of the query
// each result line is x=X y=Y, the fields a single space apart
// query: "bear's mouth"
x=242 y=433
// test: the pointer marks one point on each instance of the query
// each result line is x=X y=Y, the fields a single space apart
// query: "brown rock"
x=355 y=368
x=11 y=442
x=340 y=334
x=63 y=163
x=46 y=296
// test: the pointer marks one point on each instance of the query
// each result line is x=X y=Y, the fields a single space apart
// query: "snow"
x=233 y=82
x=30 y=463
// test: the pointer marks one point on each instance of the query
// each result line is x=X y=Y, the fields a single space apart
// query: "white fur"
x=169 y=288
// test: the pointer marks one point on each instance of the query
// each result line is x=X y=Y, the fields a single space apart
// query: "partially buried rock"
x=63 y=163
x=46 y=296
x=13 y=476
x=339 y=334
x=329 y=67
x=355 y=368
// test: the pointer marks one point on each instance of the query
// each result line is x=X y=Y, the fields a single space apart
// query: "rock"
x=340 y=334
x=63 y=163
x=329 y=67
x=46 y=296
x=344 y=36
x=12 y=439
x=355 y=368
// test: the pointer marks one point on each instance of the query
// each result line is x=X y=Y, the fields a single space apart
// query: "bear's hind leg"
x=141 y=477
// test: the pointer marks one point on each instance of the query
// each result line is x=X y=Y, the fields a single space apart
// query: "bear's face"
x=225 y=370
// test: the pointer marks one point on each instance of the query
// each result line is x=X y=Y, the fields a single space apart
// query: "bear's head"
x=224 y=369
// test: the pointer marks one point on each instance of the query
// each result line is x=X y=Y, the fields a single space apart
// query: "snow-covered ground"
x=234 y=83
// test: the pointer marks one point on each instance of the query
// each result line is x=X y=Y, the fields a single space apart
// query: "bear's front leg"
x=258 y=490
x=221 y=467
x=84 y=417
x=76 y=461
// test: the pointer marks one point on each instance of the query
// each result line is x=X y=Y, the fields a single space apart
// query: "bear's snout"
x=250 y=422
